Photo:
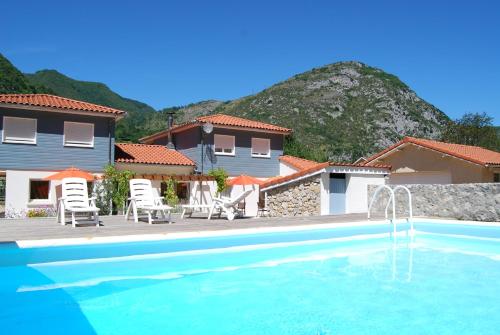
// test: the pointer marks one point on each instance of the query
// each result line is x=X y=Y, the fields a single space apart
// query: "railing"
x=392 y=201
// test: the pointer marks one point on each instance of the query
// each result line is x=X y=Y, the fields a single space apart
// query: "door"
x=337 y=193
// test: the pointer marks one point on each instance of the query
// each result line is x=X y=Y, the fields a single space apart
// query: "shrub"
x=37 y=213
x=220 y=176
x=171 y=192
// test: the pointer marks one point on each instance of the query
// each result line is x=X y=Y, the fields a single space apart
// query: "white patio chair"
x=228 y=205
x=142 y=199
x=75 y=199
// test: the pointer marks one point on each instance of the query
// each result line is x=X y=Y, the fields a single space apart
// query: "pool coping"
x=227 y=232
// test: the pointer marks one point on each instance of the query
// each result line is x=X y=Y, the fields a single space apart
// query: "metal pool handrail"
x=392 y=201
x=391 y=196
x=410 y=205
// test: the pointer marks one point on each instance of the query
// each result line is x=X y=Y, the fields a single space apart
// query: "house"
x=321 y=188
x=422 y=161
x=159 y=163
x=42 y=134
x=240 y=146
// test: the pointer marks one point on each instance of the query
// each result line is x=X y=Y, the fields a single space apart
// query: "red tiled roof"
x=53 y=101
x=149 y=154
x=469 y=153
x=313 y=169
x=218 y=119
x=297 y=163
x=228 y=120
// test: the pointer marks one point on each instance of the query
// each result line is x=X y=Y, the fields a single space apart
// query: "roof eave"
x=116 y=116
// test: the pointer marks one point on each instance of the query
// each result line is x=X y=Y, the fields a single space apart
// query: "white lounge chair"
x=142 y=199
x=75 y=199
x=228 y=205
x=195 y=206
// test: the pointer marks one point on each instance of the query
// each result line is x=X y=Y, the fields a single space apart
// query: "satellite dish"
x=208 y=128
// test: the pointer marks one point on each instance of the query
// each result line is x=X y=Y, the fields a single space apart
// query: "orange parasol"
x=71 y=172
x=244 y=180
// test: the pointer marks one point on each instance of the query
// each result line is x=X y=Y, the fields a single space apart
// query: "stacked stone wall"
x=477 y=202
x=300 y=198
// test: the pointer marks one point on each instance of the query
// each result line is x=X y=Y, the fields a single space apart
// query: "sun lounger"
x=228 y=205
x=75 y=199
x=143 y=200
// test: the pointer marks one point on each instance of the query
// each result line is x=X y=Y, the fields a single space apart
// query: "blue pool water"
x=336 y=281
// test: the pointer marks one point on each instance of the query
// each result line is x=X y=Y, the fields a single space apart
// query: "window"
x=19 y=130
x=224 y=145
x=261 y=147
x=181 y=189
x=78 y=134
x=39 y=189
x=496 y=177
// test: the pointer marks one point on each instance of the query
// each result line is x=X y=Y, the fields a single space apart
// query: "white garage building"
x=322 y=189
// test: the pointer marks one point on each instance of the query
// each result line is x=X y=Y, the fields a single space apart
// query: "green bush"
x=220 y=176
x=170 y=193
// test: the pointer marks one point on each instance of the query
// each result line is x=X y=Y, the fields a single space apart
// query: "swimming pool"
x=345 y=280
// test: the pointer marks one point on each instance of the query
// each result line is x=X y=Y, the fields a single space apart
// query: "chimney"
x=170 y=123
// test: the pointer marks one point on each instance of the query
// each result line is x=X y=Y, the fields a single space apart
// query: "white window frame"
x=258 y=155
x=80 y=145
x=38 y=201
x=233 y=140
x=20 y=140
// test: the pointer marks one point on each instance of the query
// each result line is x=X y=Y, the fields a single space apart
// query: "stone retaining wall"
x=300 y=198
x=477 y=202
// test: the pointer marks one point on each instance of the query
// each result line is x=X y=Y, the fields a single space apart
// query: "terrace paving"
x=47 y=228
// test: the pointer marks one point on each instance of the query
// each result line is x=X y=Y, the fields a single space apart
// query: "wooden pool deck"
x=47 y=228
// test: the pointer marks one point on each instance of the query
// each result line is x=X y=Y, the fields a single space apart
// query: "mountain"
x=13 y=81
x=340 y=111
x=141 y=119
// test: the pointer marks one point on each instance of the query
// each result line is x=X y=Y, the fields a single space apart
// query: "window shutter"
x=260 y=147
x=19 y=130
x=78 y=134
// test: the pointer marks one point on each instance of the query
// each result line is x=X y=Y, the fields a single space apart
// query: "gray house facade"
x=237 y=145
x=42 y=134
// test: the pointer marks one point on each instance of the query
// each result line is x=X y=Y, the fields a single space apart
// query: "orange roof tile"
x=297 y=163
x=218 y=119
x=53 y=101
x=228 y=120
x=469 y=153
x=149 y=154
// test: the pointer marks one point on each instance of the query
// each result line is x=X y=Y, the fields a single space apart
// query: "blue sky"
x=169 y=53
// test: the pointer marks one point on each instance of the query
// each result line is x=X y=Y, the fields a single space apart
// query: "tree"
x=473 y=129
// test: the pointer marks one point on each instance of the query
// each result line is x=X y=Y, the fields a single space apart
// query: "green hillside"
x=13 y=81
x=140 y=121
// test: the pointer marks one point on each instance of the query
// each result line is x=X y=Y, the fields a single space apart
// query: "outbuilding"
x=323 y=189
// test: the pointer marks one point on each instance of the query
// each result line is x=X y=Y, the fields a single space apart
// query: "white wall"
x=204 y=193
x=357 y=191
x=251 y=201
x=17 y=191
x=155 y=168
x=325 y=193
x=286 y=169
